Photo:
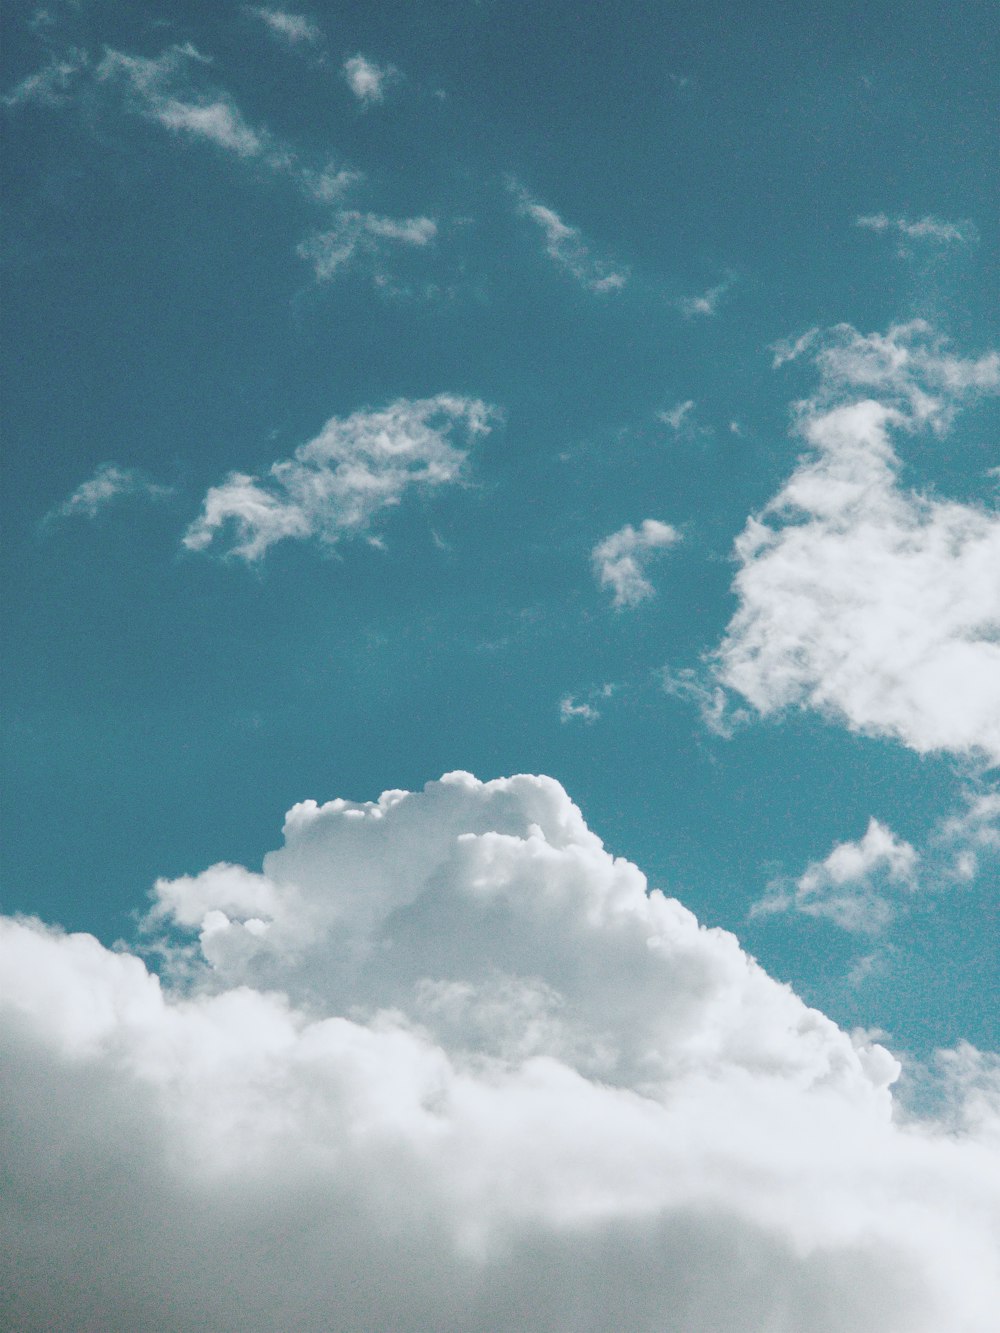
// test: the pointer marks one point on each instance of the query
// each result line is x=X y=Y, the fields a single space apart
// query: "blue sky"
x=400 y=389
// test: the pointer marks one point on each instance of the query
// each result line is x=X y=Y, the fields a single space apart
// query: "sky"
x=502 y=665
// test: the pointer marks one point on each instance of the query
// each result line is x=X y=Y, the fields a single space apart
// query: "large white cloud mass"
x=875 y=604
x=446 y=1064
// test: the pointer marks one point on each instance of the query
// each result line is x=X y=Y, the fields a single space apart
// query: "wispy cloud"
x=294 y=29
x=368 y=81
x=161 y=90
x=339 y=483
x=854 y=886
x=108 y=484
x=708 y=302
x=620 y=560
x=931 y=229
x=565 y=245
x=356 y=234
x=52 y=85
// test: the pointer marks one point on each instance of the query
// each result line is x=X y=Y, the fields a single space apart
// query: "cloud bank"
x=445 y=1063
x=874 y=604
x=339 y=483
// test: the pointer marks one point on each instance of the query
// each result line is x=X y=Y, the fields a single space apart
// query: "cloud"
x=619 y=560
x=972 y=836
x=852 y=886
x=873 y=604
x=295 y=29
x=51 y=85
x=707 y=303
x=445 y=1063
x=356 y=234
x=335 y=486
x=925 y=229
x=368 y=81
x=109 y=483
x=160 y=90
x=569 y=710
x=565 y=246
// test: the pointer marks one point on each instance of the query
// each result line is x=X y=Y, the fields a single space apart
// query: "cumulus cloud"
x=368 y=81
x=295 y=29
x=340 y=482
x=565 y=245
x=109 y=483
x=928 y=228
x=356 y=235
x=853 y=886
x=619 y=560
x=445 y=1063
x=874 y=604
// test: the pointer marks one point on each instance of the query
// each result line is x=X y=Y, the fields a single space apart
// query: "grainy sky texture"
x=399 y=393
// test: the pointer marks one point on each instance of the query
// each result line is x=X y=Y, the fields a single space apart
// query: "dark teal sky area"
x=162 y=707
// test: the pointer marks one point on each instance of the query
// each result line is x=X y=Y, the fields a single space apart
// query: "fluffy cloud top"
x=338 y=483
x=445 y=1063
x=619 y=560
x=565 y=245
x=877 y=605
x=847 y=886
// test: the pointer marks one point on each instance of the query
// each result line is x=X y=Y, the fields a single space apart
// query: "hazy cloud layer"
x=446 y=1064
x=341 y=481
x=565 y=245
x=875 y=604
x=619 y=561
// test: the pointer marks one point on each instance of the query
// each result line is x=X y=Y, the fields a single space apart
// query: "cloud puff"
x=619 y=560
x=924 y=229
x=707 y=303
x=445 y=1063
x=109 y=483
x=368 y=81
x=295 y=29
x=338 y=483
x=849 y=886
x=565 y=246
x=874 y=604
x=357 y=234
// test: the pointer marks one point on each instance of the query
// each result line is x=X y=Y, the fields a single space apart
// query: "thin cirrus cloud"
x=446 y=1063
x=565 y=245
x=853 y=886
x=294 y=29
x=52 y=85
x=620 y=561
x=108 y=484
x=338 y=484
x=873 y=604
x=357 y=235
x=935 y=230
x=368 y=81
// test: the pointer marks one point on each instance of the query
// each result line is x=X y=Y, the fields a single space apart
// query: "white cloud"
x=619 y=560
x=924 y=229
x=678 y=416
x=874 y=604
x=565 y=245
x=109 y=483
x=51 y=85
x=368 y=81
x=971 y=837
x=356 y=235
x=338 y=483
x=160 y=89
x=295 y=29
x=707 y=303
x=853 y=887
x=446 y=1063
x=569 y=709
